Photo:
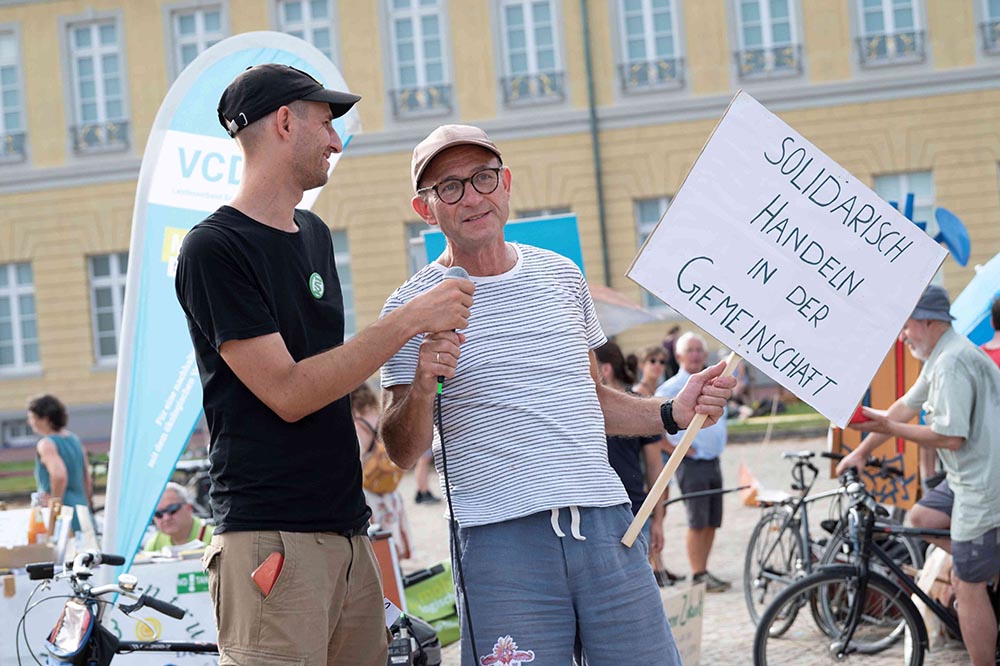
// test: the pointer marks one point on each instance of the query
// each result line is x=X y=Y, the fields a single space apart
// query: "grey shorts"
x=694 y=475
x=940 y=498
x=977 y=561
x=533 y=593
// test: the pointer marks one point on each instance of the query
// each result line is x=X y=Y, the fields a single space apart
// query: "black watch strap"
x=667 y=416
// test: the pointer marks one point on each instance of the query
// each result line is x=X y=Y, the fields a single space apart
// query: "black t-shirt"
x=625 y=456
x=239 y=279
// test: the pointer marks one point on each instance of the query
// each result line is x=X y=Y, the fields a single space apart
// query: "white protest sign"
x=782 y=255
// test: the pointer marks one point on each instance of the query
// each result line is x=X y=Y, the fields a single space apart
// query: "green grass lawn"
x=18 y=478
x=797 y=415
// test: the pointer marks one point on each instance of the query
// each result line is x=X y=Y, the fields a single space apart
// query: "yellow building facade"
x=600 y=108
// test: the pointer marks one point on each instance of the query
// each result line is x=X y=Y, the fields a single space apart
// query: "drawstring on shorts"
x=574 y=523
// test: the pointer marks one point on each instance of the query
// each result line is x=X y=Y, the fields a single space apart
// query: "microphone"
x=453 y=273
x=456 y=272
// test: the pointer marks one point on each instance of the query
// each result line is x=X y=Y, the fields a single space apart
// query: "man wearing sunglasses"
x=175 y=521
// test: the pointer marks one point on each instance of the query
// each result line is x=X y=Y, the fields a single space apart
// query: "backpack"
x=381 y=475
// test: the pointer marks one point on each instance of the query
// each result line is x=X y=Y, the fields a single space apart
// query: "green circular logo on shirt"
x=316 y=285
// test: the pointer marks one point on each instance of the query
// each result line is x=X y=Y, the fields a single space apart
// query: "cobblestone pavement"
x=727 y=635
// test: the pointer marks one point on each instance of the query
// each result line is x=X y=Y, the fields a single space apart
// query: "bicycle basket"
x=72 y=640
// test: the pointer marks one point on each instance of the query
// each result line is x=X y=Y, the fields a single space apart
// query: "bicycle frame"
x=866 y=548
x=797 y=504
x=861 y=527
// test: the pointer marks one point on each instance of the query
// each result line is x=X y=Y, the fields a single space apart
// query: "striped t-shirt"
x=523 y=429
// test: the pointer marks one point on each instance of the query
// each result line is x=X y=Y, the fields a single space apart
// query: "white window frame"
x=200 y=39
x=115 y=281
x=342 y=257
x=768 y=45
x=643 y=228
x=13 y=142
x=14 y=291
x=308 y=25
x=103 y=123
x=16 y=433
x=415 y=13
x=649 y=46
x=889 y=31
x=531 y=51
x=899 y=183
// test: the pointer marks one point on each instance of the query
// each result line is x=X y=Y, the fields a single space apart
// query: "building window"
x=991 y=26
x=420 y=71
x=895 y=187
x=11 y=117
x=342 y=255
x=647 y=214
x=768 y=46
x=890 y=32
x=533 y=72
x=416 y=249
x=195 y=30
x=650 y=49
x=18 y=321
x=101 y=121
x=309 y=20
x=107 y=299
x=16 y=433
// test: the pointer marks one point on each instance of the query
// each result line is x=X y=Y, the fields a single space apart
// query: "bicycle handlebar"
x=887 y=470
x=159 y=605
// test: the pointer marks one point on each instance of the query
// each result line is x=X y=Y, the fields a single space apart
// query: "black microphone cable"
x=452 y=524
x=453 y=272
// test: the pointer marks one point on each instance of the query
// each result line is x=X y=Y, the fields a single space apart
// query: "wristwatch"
x=667 y=416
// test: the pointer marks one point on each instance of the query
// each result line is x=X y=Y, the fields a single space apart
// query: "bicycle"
x=78 y=636
x=781 y=548
x=870 y=612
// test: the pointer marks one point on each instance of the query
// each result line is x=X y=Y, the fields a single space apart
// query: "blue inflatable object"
x=971 y=309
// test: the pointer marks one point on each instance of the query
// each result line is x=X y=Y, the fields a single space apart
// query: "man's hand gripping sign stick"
x=656 y=492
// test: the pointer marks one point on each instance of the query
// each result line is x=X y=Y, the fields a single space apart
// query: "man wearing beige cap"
x=959 y=392
x=539 y=511
x=291 y=571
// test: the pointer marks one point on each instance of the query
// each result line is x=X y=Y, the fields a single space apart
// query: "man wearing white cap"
x=959 y=392
x=540 y=511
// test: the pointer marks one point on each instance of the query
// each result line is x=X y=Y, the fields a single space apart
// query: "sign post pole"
x=656 y=492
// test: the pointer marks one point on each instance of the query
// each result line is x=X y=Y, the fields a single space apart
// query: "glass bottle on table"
x=38 y=530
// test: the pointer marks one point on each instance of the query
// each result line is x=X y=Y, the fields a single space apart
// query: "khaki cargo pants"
x=325 y=608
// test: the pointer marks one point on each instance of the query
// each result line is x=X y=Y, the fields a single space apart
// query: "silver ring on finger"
x=437 y=357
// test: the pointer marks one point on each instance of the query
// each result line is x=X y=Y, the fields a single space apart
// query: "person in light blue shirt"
x=700 y=469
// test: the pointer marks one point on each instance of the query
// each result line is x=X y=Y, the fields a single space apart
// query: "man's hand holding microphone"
x=448 y=307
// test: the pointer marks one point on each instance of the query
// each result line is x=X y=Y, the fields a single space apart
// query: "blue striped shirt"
x=523 y=427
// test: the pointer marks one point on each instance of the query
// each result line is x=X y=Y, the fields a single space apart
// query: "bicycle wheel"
x=885 y=607
x=766 y=570
x=901 y=549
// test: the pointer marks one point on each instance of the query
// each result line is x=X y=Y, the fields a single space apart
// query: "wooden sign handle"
x=656 y=492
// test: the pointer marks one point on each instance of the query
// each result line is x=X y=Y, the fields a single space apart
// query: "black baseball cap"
x=263 y=89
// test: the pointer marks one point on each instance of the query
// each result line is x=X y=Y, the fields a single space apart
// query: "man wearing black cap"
x=259 y=286
x=959 y=392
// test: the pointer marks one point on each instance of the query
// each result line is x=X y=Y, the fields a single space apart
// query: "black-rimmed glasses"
x=451 y=190
x=169 y=510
